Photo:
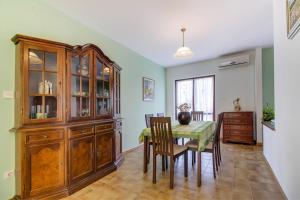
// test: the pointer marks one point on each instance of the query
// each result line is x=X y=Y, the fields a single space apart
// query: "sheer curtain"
x=199 y=93
x=204 y=96
x=184 y=93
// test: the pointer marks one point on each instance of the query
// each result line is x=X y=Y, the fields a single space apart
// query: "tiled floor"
x=243 y=175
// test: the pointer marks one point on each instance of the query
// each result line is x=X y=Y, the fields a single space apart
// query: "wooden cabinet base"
x=78 y=185
x=239 y=140
x=119 y=161
x=55 y=195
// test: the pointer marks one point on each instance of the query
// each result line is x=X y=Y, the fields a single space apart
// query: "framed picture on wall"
x=293 y=17
x=148 y=89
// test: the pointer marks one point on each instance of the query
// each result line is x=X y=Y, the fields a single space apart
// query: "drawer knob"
x=45 y=136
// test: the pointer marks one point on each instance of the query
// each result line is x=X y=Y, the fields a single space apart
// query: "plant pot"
x=184 y=118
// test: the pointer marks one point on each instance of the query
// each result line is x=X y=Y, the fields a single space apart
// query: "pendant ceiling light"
x=183 y=52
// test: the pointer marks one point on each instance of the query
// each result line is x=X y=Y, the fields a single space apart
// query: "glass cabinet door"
x=80 y=86
x=44 y=84
x=117 y=93
x=103 y=88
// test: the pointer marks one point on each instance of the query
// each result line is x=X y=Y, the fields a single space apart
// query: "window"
x=199 y=93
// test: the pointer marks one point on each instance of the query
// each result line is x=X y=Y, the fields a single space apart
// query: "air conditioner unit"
x=237 y=61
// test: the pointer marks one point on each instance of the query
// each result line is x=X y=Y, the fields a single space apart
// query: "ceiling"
x=152 y=27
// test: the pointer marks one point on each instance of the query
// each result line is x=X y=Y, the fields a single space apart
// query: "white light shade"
x=183 y=52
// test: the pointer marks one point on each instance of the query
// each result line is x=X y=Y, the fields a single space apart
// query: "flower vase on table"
x=184 y=116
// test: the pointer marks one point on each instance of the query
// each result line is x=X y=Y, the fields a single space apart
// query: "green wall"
x=36 y=18
x=268 y=76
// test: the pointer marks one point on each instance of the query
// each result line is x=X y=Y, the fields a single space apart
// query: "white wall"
x=230 y=84
x=284 y=145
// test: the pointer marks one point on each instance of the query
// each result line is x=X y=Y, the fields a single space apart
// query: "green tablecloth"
x=202 y=131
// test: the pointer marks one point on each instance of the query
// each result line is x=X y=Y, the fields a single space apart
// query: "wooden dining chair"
x=150 y=143
x=197 y=115
x=147 y=120
x=212 y=147
x=163 y=145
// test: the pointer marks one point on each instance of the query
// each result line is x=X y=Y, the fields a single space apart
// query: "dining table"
x=202 y=131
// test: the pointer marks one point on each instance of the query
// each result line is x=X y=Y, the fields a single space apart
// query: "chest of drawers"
x=238 y=127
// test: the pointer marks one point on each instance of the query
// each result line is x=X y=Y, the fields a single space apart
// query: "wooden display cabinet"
x=68 y=119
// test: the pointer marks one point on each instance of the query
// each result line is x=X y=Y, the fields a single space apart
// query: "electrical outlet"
x=8 y=94
x=8 y=174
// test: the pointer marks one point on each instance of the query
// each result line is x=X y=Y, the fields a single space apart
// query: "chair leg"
x=163 y=163
x=219 y=155
x=171 y=172
x=193 y=158
x=166 y=160
x=214 y=164
x=194 y=154
x=199 y=169
x=219 y=147
x=154 y=169
x=216 y=157
x=148 y=153
x=186 y=164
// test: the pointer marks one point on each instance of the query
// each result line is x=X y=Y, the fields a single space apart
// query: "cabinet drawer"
x=39 y=136
x=238 y=115
x=241 y=120
x=230 y=133
x=104 y=127
x=81 y=131
x=238 y=127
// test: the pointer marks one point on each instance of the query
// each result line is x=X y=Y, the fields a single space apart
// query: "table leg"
x=199 y=168
x=146 y=143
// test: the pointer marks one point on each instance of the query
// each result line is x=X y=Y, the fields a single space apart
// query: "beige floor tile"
x=243 y=175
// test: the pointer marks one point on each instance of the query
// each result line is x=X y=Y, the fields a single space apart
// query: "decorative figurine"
x=237 y=106
x=45 y=87
x=84 y=70
x=50 y=87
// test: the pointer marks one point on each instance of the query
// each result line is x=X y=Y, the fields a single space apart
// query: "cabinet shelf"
x=40 y=95
x=101 y=79
x=78 y=75
x=83 y=96
x=103 y=97
x=41 y=70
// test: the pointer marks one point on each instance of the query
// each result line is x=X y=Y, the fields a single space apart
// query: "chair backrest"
x=197 y=115
x=147 y=119
x=160 y=114
x=161 y=133
x=218 y=129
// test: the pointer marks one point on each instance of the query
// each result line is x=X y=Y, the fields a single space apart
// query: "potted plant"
x=184 y=116
x=268 y=113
